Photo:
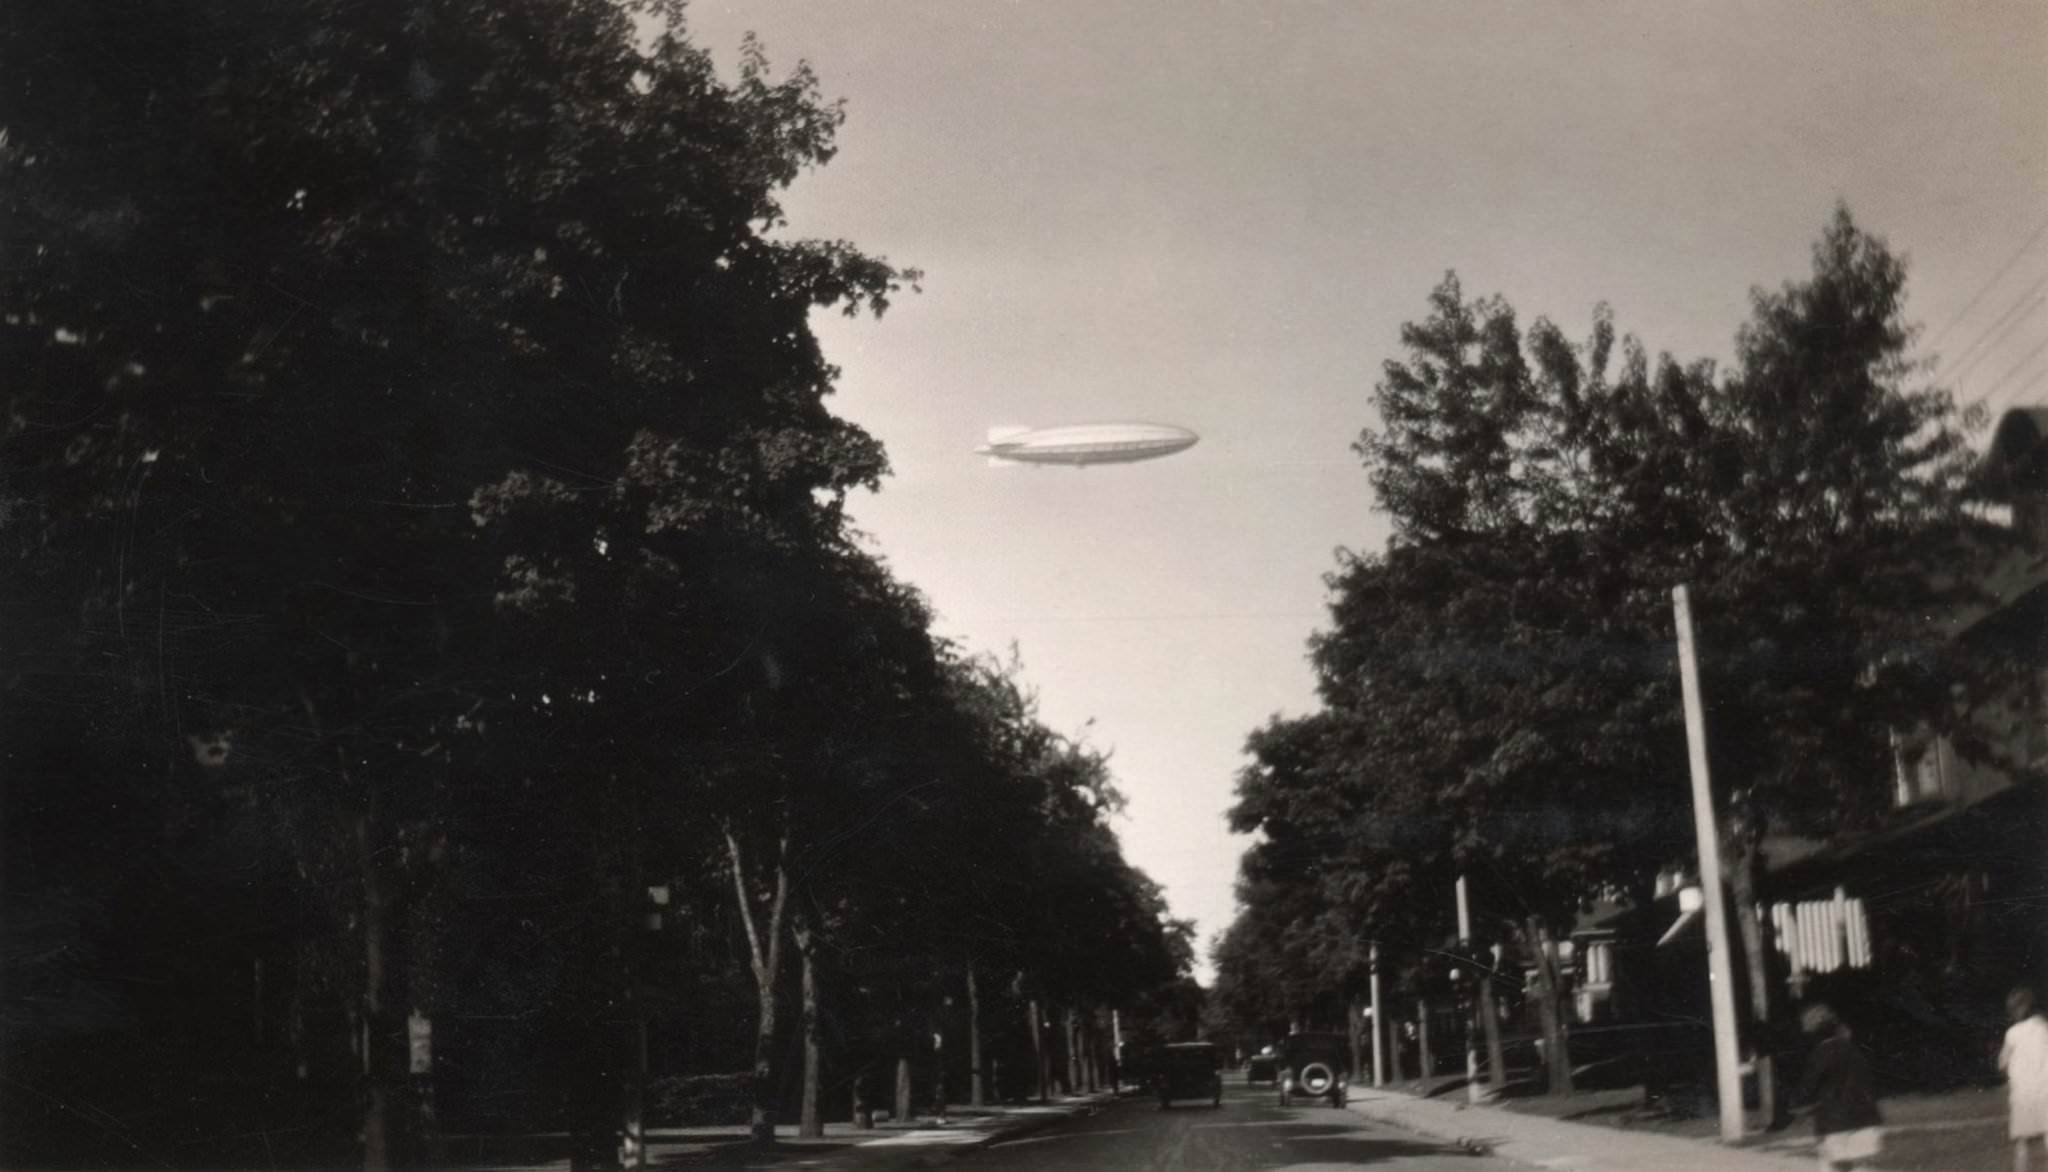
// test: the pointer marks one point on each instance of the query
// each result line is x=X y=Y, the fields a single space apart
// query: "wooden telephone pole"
x=1379 y=1054
x=1488 y=1023
x=1720 y=973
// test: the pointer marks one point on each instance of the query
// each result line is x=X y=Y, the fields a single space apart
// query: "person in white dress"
x=2024 y=1059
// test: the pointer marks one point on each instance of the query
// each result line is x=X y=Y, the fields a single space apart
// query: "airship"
x=1086 y=443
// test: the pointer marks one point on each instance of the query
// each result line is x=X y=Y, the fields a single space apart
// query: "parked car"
x=1188 y=1070
x=1262 y=1067
x=1316 y=1065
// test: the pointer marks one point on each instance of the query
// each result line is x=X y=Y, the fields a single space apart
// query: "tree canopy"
x=1499 y=690
x=425 y=539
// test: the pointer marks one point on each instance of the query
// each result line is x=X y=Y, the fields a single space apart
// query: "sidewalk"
x=1957 y=1131
x=917 y=1142
x=1567 y=1147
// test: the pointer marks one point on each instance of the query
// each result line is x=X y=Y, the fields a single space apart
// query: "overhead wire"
x=2029 y=383
x=1992 y=394
x=2004 y=325
x=2032 y=238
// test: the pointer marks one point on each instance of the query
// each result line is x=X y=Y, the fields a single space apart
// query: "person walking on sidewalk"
x=2024 y=1059
x=1839 y=1085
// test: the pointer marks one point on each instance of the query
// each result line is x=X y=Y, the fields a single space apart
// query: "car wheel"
x=1317 y=1079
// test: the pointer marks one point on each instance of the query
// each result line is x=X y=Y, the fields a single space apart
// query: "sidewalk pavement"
x=1567 y=1147
x=920 y=1142
x=1954 y=1131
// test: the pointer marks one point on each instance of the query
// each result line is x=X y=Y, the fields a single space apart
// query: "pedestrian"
x=1839 y=1085
x=2024 y=1059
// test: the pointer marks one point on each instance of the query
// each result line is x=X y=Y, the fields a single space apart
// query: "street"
x=1250 y=1131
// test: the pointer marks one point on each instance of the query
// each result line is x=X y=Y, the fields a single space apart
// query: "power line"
x=2028 y=384
x=1987 y=352
x=2017 y=367
x=1986 y=287
x=2012 y=398
x=2010 y=314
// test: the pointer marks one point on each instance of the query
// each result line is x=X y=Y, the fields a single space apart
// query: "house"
x=1916 y=930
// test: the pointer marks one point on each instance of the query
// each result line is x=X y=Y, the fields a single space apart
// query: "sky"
x=1219 y=214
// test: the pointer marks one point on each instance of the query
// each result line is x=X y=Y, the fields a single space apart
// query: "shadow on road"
x=1287 y=1136
x=1316 y=1144
x=743 y=1153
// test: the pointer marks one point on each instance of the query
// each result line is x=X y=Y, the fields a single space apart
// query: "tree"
x=1503 y=671
x=1842 y=530
x=339 y=347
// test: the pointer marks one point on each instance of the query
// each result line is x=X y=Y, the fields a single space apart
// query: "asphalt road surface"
x=1251 y=1131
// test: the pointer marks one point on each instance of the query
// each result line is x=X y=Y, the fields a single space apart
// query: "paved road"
x=1249 y=1133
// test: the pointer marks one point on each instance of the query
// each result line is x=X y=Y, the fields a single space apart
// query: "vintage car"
x=1315 y=1065
x=1187 y=1070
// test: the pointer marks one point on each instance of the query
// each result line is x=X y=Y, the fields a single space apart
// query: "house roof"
x=2014 y=468
x=1942 y=837
x=2016 y=463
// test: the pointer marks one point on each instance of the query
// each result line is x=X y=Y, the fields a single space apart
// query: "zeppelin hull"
x=1092 y=443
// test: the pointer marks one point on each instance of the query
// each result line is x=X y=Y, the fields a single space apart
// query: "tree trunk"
x=1427 y=1059
x=636 y=1095
x=1098 y=1074
x=1354 y=1029
x=1086 y=1038
x=1741 y=866
x=376 y=1026
x=863 y=1115
x=810 y=1124
x=1489 y=1021
x=1393 y=1049
x=902 y=1104
x=1557 y=1061
x=1035 y=1019
x=761 y=1118
x=977 y=1091
x=1074 y=1050
x=939 y=1066
x=765 y=945
x=1081 y=1046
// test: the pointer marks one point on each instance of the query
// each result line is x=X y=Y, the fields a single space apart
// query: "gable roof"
x=2016 y=463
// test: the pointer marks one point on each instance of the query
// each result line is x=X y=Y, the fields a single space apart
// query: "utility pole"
x=1379 y=1056
x=1720 y=974
x=1488 y=1020
x=1473 y=1093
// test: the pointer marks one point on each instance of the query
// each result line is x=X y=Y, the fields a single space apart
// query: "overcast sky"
x=1219 y=214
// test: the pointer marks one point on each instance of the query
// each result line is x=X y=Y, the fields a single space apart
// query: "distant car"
x=1187 y=1070
x=1316 y=1065
x=1262 y=1068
